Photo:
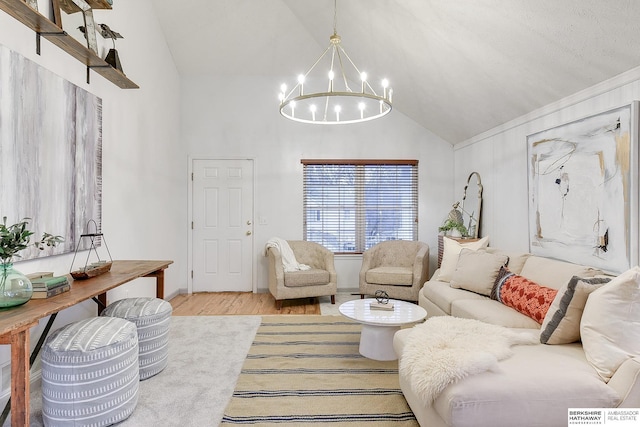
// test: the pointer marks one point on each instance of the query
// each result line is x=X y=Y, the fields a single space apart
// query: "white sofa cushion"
x=562 y=323
x=442 y=294
x=450 y=252
x=533 y=387
x=476 y=271
x=554 y=274
x=516 y=259
x=491 y=311
x=610 y=325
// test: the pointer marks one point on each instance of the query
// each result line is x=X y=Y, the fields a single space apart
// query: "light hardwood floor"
x=246 y=303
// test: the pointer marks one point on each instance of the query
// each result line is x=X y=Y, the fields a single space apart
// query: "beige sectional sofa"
x=539 y=383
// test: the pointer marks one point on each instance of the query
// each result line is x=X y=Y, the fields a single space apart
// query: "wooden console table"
x=15 y=323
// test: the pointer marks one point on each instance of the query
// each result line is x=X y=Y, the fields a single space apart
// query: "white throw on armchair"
x=398 y=267
x=320 y=280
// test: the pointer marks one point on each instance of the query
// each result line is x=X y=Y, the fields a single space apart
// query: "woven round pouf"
x=90 y=373
x=152 y=317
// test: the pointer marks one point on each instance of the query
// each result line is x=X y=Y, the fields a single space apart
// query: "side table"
x=379 y=326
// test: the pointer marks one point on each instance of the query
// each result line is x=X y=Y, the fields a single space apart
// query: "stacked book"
x=49 y=285
x=388 y=306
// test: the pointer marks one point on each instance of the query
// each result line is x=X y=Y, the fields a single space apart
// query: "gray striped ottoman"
x=152 y=317
x=90 y=373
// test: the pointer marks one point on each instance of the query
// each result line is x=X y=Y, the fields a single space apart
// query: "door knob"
x=248 y=233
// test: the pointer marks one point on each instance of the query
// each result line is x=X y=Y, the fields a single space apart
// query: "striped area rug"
x=306 y=370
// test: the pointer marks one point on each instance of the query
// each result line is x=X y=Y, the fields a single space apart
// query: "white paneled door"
x=222 y=225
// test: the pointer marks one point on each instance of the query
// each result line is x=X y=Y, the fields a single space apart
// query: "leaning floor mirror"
x=472 y=204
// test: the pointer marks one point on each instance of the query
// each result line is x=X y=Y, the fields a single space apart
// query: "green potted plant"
x=450 y=226
x=15 y=288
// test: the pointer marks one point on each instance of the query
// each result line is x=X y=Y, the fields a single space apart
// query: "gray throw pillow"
x=561 y=325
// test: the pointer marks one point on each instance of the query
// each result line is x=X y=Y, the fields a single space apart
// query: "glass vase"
x=15 y=287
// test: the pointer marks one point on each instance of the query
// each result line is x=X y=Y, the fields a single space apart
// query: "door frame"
x=254 y=262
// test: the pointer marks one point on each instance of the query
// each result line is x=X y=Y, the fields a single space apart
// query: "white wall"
x=144 y=176
x=237 y=117
x=500 y=155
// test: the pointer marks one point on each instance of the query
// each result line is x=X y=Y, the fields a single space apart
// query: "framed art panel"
x=50 y=151
x=583 y=190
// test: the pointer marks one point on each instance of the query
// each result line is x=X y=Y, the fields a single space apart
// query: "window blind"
x=351 y=205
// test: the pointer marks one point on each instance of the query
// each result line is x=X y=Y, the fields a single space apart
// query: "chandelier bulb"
x=283 y=88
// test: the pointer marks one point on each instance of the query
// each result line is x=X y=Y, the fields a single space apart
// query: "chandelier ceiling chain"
x=340 y=104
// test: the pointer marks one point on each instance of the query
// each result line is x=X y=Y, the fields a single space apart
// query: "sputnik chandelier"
x=328 y=98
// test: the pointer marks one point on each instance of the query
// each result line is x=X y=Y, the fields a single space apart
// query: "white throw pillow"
x=476 y=271
x=450 y=253
x=610 y=325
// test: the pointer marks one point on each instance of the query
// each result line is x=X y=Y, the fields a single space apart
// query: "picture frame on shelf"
x=33 y=4
x=76 y=18
x=73 y=6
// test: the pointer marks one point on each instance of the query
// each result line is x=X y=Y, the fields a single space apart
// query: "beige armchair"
x=320 y=280
x=398 y=267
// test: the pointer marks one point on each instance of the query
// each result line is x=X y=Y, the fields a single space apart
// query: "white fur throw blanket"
x=289 y=262
x=444 y=350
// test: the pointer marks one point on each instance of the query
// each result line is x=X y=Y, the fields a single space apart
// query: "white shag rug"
x=445 y=349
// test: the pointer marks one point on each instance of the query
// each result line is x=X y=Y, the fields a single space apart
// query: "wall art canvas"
x=50 y=153
x=583 y=191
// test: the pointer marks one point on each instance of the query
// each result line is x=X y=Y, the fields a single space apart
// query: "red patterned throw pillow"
x=523 y=295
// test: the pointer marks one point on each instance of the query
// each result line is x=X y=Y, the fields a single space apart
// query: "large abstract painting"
x=583 y=191
x=50 y=152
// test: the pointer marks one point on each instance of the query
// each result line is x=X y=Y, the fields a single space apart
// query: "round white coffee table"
x=379 y=326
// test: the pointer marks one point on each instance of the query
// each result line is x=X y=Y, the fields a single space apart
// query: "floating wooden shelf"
x=47 y=29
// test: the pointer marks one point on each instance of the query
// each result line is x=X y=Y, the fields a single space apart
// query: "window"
x=351 y=205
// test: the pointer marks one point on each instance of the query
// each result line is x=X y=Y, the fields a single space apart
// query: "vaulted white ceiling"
x=458 y=67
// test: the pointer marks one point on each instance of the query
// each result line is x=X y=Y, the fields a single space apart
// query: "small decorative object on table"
x=112 y=57
x=382 y=302
x=95 y=268
x=45 y=285
x=15 y=287
x=453 y=225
